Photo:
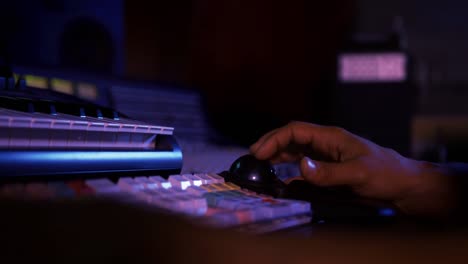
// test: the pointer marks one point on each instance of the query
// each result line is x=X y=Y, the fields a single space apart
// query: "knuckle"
x=339 y=131
x=295 y=124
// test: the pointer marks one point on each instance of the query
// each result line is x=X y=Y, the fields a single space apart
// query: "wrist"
x=431 y=192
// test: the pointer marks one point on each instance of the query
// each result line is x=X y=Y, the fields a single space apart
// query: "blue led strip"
x=62 y=162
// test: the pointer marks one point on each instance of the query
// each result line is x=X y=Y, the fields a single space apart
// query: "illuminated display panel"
x=372 y=67
x=87 y=91
x=36 y=81
x=62 y=86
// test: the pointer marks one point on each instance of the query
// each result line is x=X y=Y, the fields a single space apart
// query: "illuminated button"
x=246 y=206
x=209 y=188
x=174 y=192
x=205 y=178
x=221 y=186
x=147 y=195
x=164 y=192
x=224 y=219
x=277 y=224
x=160 y=181
x=196 y=190
x=163 y=202
x=297 y=207
x=272 y=211
x=102 y=186
x=130 y=185
x=179 y=181
x=232 y=186
x=213 y=198
x=216 y=178
x=228 y=203
x=200 y=206
x=194 y=180
x=179 y=204
x=190 y=205
x=147 y=182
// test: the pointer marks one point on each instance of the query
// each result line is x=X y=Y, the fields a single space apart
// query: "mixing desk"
x=55 y=147
x=206 y=198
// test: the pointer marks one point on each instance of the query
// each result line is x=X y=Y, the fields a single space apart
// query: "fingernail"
x=310 y=165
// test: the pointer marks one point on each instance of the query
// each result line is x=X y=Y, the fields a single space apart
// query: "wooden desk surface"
x=99 y=231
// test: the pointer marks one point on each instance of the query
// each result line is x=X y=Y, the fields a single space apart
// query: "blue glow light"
x=386 y=212
x=30 y=162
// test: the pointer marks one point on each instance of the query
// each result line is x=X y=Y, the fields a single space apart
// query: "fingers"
x=321 y=138
x=331 y=174
x=259 y=142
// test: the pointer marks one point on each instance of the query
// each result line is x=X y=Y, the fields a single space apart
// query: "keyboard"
x=205 y=198
x=54 y=146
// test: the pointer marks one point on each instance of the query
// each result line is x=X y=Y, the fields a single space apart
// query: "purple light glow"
x=372 y=67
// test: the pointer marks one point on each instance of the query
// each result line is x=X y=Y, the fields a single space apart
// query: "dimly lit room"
x=237 y=131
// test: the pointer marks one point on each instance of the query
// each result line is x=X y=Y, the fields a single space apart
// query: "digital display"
x=372 y=67
x=62 y=86
x=36 y=81
x=87 y=91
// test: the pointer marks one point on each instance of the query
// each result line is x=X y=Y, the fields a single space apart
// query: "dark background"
x=257 y=64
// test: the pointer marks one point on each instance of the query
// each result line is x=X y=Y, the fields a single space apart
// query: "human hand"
x=332 y=156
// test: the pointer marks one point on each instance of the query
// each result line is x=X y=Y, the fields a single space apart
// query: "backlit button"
x=297 y=207
x=147 y=182
x=164 y=192
x=196 y=190
x=200 y=205
x=216 y=177
x=272 y=211
x=221 y=186
x=191 y=205
x=224 y=219
x=179 y=181
x=209 y=188
x=205 y=178
x=175 y=192
x=213 y=198
x=228 y=203
x=130 y=185
x=232 y=186
x=194 y=180
x=148 y=195
x=160 y=181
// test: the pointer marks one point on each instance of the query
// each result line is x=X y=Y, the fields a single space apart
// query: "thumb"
x=330 y=174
